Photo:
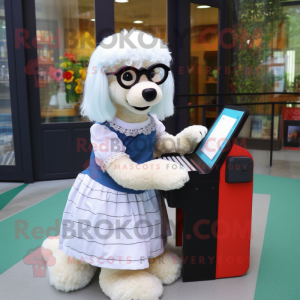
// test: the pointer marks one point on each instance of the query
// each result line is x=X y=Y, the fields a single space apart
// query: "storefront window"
x=265 y=58
x=7 y=153
x=146 y=15
x=203 y=73
x=65 y=41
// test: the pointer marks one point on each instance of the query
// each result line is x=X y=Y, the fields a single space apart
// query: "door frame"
x=22 y=171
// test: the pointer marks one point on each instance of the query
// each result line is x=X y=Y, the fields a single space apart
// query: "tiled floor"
x=286 y=163
x=19 y=282
x=32 y=194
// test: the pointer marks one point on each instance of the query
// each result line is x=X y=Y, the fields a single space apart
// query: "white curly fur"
x=166 y=267
x=51 y=244
x=130 y=285
x=69 y=274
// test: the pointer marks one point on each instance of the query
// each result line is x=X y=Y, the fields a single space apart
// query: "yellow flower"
x=78 y=89
x=63 y=65
x=69 y=64
x=68 y=86
x=83 y=73
x=78 y=81
x=61 y=57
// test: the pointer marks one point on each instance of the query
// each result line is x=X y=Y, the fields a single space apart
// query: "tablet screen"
x=211 y=147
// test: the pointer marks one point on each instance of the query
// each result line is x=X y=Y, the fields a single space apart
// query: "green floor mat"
x=6 y=197
x=38 y=219
x=278 y=276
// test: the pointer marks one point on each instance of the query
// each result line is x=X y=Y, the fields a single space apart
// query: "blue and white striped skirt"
x=112 y=229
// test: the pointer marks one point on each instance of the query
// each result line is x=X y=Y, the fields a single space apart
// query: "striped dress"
x=105 y=224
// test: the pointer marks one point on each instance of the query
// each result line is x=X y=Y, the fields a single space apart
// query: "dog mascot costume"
x=115 y=217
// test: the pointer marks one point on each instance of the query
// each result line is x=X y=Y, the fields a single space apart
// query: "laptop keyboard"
x=182 y=161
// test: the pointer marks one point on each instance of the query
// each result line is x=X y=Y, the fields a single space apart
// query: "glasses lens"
x=128 y=77
x=157 y=74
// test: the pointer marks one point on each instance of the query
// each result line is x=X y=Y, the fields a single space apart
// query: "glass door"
x=199 y=32
x=201 y=66
x=61 y=41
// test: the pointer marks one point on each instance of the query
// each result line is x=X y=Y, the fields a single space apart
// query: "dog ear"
x=165 y=108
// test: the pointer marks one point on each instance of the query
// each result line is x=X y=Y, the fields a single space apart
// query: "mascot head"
x=129 y=71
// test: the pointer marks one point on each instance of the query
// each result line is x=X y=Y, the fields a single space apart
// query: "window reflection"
x=146 y=15
x=203 y=74
x=7 y=153
x=266 y=54
x=265 y=58
x=65 y=41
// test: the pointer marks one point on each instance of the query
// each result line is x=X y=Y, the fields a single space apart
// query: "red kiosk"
x=216 y=202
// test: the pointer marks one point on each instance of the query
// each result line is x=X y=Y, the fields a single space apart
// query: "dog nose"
x=149 y=94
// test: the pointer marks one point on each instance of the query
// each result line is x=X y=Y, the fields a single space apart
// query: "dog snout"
x=149 y=94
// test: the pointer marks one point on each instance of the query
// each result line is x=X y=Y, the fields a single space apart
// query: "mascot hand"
x=155 y=174
x=168 y=175
x=190 y=137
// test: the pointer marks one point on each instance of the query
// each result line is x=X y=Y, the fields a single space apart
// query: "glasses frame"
x=139 y=73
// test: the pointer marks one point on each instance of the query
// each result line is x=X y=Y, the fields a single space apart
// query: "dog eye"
x=152 y=74
x=127 y=76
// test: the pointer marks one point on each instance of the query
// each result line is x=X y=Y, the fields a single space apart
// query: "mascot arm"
x=155 y=174
x=111 y=157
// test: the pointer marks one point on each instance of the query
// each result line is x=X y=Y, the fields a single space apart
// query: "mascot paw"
x=130 y=285
x=166 y=267
x=170 y=176
x=192 y=136
x=69 y=274
x=51 y=243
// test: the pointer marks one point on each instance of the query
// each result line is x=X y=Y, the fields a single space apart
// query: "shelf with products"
x=45 y=43
x=45 y=33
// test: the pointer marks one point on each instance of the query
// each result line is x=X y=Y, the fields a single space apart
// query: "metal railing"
x=240 y=104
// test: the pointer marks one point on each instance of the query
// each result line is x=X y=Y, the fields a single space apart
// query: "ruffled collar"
x=133 y=129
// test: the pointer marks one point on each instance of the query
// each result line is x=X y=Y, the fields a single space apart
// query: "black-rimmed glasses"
x=128 y=76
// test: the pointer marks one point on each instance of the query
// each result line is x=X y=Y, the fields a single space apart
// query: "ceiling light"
x=93 y=20
x=203 y=6
x=138 y=22
x=122 y=1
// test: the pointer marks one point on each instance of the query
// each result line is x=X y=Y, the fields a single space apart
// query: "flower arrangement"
x=72 y=73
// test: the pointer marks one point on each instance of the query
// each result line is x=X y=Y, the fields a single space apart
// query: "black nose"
x=149 y=94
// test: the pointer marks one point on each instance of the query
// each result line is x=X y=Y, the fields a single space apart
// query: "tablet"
x=219 y=138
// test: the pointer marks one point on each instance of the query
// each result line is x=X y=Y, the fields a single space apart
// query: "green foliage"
x=255 y=24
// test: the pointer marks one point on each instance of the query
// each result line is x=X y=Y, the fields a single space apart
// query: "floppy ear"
x=96 y=105
x=165 y=108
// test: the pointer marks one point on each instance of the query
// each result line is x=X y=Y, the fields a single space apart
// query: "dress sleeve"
x=106 y=145
x=160 y=129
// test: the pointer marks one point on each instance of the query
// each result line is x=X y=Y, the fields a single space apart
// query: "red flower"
x=70 y=56
x=68 y=76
